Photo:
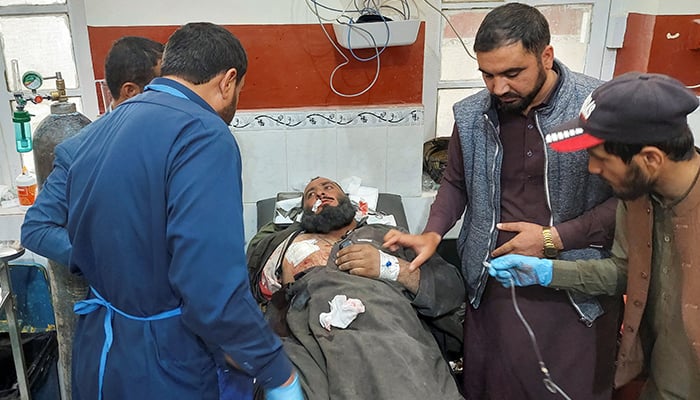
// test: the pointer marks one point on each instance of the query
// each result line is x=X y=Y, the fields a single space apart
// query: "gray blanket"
x=386 y=353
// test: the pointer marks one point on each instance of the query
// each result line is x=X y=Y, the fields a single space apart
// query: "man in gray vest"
x=517 y=196
x=636 y=131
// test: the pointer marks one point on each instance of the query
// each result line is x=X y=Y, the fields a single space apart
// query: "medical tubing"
x=547 y=380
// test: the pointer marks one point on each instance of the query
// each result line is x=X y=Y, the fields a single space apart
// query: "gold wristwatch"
x=550 y=250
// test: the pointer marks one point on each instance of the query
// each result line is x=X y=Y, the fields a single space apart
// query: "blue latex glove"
x=290 y=392
x=524 y=270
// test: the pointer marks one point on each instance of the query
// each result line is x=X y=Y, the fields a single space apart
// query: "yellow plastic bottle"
x=26 y=187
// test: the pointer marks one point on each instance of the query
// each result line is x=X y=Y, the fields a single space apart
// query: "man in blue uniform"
x=155 y=219
x=131 y=63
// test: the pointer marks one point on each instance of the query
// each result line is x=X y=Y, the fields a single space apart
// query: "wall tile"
x=310 y=153
x=361 y=152
x=283 y=149
x=404 y=158
x=417 y=211
x=264 y=163
x=250 y=221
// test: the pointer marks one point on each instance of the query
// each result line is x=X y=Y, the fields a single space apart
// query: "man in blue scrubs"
x=131 y=63
x=155 y=217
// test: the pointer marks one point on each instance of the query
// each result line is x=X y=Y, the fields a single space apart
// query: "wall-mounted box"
x=389 y=33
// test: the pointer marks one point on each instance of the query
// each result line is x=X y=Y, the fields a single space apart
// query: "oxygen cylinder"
x=63 y=122
x=66 y=288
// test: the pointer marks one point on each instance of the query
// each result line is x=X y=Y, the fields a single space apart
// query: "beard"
x=517 y=107
x=329 y=218
x=229 y=111
x=635 y=185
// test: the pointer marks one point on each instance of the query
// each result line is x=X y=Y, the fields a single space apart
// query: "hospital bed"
x=388 y=204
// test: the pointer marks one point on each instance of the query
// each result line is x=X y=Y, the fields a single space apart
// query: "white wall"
x=389 y=156
x=694 y=122
x=381 y=145
x=168 y=12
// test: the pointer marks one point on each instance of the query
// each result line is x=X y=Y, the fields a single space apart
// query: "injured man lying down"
x=353 y=319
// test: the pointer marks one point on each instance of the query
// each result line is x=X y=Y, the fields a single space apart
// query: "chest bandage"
x=298 y=251
x=388 y=267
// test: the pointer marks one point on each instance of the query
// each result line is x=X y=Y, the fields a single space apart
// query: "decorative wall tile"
x=283 y=149
x=323 y=119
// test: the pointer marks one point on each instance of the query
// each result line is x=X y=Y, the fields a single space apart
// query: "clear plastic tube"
x=16 y=77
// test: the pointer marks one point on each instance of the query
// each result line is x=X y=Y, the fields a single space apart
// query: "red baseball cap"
x=633 y=108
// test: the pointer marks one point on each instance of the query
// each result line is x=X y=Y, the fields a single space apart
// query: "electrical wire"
x=316 y=4
x=354 y=26
x=452 y=27
x=347 y=60
x=694 y=86
x=366 y=7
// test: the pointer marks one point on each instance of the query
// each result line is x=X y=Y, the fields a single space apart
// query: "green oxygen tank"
x=66 y=288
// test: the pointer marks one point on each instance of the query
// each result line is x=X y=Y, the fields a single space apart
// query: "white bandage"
x=388 y=267
x=316 y=205
x=298 y=251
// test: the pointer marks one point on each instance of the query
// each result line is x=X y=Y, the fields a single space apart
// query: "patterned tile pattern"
x=311 y=119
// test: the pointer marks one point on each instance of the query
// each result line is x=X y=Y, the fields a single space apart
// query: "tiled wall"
x=291 y=126
x=282 y=150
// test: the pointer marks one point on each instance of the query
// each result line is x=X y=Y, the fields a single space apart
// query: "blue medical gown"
x=156 y=222
x=43 y=229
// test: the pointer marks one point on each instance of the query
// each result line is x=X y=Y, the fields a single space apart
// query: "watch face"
x=551 y=252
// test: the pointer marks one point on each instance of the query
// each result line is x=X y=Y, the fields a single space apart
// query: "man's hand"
x=523 y=270
x=529 y=240
x=359 y=259
x=424 y=245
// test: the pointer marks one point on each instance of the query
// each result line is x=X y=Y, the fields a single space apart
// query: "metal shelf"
x=4 y=295
x=9 y=250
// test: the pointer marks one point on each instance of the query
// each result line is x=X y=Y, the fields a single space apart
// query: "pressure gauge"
x=32 y=80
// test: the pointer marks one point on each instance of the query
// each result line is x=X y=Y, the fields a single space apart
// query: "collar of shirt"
x=660 y=200
x=184 y=90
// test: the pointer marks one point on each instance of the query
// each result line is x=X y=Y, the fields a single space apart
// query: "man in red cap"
x=636 y=132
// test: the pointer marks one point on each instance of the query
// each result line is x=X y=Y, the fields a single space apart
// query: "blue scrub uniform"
x=43 y=229
x=156 y=222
